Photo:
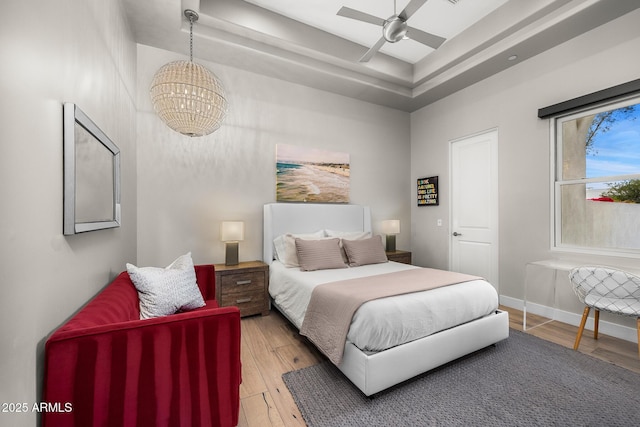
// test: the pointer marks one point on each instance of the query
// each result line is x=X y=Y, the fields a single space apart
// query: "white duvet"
x=386 y=322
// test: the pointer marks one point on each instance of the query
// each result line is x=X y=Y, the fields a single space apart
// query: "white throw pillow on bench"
x=164 y=291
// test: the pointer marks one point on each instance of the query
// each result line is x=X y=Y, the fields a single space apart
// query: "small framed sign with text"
x=428 y=191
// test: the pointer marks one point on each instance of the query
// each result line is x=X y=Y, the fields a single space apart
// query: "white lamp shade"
x=391 y=226
x=232 y=231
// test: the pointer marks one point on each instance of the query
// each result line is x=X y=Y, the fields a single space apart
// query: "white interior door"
x=474 y=206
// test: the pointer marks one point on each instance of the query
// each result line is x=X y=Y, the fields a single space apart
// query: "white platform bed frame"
x=372 y=373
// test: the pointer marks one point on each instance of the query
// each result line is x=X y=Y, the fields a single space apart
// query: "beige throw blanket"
x=332 y=305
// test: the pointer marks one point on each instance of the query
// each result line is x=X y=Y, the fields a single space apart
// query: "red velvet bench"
x=106 y=367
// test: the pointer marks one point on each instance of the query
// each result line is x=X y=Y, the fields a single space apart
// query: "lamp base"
x=391 y=243
x=231 y=253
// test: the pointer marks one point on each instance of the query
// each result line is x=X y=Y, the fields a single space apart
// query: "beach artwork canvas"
x=311 y=175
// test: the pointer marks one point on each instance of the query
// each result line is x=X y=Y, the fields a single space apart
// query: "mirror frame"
x=73 y=117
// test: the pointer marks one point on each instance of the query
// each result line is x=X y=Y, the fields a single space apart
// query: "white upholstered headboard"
x=280 y=218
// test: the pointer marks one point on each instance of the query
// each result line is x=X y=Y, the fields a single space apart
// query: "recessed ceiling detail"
x=435 y=16
x=306 y=42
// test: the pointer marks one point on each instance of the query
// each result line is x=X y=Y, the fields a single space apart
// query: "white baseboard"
x=612 y=329
x=518 y=304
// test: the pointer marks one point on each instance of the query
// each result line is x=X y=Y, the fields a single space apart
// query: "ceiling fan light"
x=394 y=29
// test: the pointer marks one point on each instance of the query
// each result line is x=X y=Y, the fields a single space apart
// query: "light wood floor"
x=271 y=347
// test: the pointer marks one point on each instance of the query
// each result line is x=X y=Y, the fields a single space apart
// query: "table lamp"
x=391 y=227
x=231 y=232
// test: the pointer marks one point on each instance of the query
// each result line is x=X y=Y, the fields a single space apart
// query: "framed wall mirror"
x=91 y=175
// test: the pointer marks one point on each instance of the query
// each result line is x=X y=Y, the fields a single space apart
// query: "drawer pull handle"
x=241 y=300
x=243 y=282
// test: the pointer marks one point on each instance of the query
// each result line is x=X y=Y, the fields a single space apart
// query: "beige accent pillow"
x=350 y=235
x=319 y=254
x=365 y=251
x=285 y=246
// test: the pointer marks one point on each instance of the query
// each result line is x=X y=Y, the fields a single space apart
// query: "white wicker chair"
x=606 y=289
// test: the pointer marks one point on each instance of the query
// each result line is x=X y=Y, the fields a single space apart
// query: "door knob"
x=456 y=234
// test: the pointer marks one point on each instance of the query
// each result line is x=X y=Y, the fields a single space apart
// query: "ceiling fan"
x=394 y=28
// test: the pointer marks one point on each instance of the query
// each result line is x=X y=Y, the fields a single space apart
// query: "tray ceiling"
x=305 y=42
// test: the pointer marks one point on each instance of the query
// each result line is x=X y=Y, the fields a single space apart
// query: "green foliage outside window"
x=625 y=191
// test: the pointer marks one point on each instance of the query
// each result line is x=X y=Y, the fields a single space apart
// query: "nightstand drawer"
x=242 y=282
x=249 y=302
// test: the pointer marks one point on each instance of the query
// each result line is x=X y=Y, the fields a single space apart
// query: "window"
x=597 y=180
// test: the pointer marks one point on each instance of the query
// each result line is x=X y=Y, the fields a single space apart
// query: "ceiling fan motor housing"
x=394 y=29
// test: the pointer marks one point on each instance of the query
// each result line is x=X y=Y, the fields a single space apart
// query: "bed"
x=458 y=319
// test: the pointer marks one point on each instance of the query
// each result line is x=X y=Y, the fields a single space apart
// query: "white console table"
x=541 y=289
x=547 y=283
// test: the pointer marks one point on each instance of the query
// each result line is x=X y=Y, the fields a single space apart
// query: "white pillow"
x=164 y=291
x=285 y=246
x=350 y=235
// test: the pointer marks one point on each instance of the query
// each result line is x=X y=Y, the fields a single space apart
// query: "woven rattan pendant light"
x=186 y=96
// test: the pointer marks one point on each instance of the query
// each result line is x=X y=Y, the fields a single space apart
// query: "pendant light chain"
x=193 y=17
x=191 y=38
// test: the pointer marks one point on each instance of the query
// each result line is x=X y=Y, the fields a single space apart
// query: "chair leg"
x=596 y=321
x=583 y=322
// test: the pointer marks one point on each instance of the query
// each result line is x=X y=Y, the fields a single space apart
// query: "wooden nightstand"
x=245 y=285
x=399 y=256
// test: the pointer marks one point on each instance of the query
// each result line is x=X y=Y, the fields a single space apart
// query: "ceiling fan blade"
x=376 y=47
x=347 y=12
x=425 y=38
x=411 y=8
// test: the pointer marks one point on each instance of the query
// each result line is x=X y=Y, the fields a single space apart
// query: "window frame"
x=556 y=181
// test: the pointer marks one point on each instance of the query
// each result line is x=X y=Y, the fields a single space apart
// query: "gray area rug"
x=522 y=381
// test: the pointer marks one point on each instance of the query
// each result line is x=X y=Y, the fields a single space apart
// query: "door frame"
x=495 y=200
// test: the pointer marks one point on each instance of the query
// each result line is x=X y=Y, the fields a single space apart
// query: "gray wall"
x=187 y=186
x=509 y=102
x=52 y=52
